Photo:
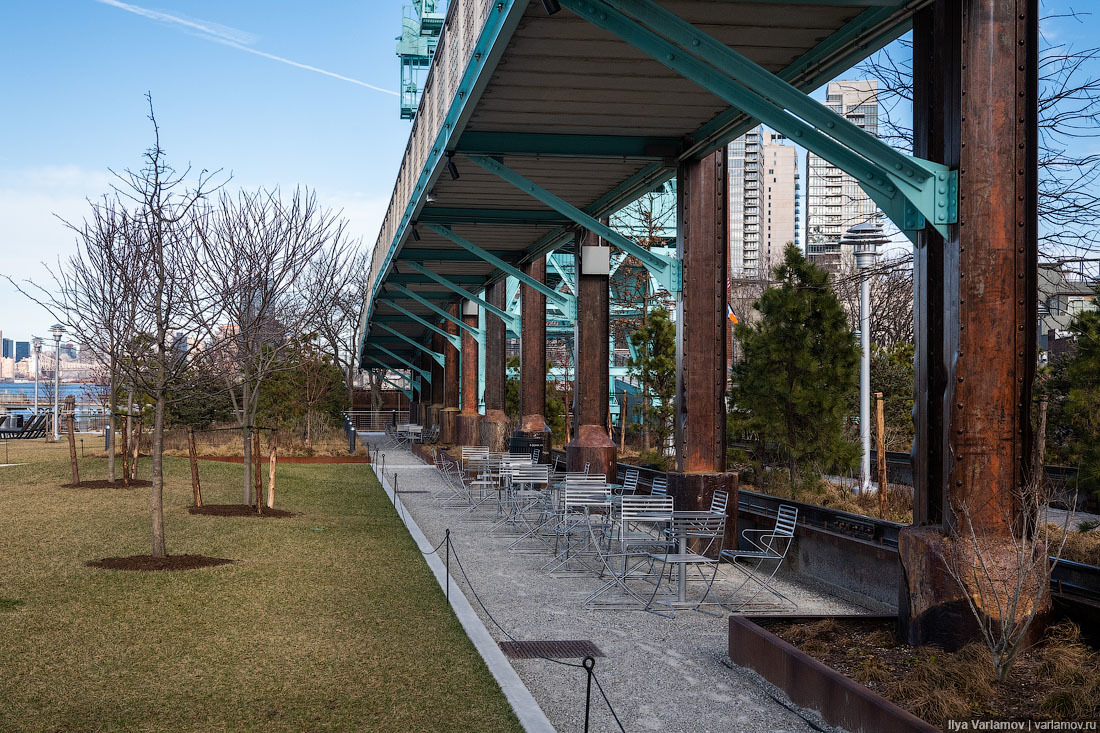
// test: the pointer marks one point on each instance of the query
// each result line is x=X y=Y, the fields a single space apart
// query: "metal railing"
x=375 y=421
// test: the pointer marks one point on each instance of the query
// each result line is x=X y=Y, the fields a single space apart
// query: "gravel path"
x=659 y=674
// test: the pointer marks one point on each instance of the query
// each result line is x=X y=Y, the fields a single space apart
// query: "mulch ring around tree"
x=239 y=510
x=105 y=484
x=150 y=563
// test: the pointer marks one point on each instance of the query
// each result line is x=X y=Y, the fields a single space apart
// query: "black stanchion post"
x=448 y=581
x=588 y=663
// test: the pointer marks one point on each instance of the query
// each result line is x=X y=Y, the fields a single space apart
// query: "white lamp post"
x=58 y=331
x=865 y=240
x=37 y=342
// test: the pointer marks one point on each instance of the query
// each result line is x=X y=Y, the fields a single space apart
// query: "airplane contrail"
x=233 y=38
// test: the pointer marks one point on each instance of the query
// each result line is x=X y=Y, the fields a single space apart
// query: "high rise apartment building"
x=764 y=203
x=834 y=201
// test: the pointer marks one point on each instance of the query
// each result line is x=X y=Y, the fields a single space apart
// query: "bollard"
x=588 y=664
x=448 y=565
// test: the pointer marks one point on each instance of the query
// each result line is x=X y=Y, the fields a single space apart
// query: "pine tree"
x=799 y=363
x=655 y=366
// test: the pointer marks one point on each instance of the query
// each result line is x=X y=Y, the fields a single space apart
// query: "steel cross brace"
x=564 y=302
x=454 y=340
x=434 y=308
x=434 y=354
x=553 y=262
x=665 y=270
x=512 y=320
x=387 y=380
x=425 y=374
x=909 y=190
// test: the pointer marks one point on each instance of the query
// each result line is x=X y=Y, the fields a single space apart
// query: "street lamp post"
x=58 y=331
x=37 y=356
x=865 y=240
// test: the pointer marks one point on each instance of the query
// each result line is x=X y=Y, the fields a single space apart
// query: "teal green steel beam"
x=500 y=264
x=553 y=262
x=507 y=217
x=863 y=35
x=454 y=340
x=425 y=374
x=442 y=255
x=511 y=320
x=503 y=18
x=665 y=269
x=768 y=85
x=387 y=380
x=434 y=354
x=408 y=279
x=572 y=146
x=436 y=309
x=936 y=199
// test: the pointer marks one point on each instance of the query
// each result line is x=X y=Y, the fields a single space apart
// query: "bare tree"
x=340 y=305
x=169 y=305
x=891 y=283
x=263 y=256
x=1005 y=577
x=89 y=293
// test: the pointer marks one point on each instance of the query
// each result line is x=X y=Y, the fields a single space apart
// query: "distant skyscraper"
x=22 y=350
x=764 y=208
x=835 y=202
x=9 y=348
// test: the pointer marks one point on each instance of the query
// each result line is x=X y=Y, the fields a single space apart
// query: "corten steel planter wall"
x=811 y=684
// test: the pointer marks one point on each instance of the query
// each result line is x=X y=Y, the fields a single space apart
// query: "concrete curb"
x=530 y=715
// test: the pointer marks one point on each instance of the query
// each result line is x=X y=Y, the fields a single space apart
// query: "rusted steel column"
x=435 y=395
x=703 y=243
x=494 y=426
x=451 y=369
x=414 y=402
x=468 y=421
x=975 y=74
x=532 y=370
x=591 y=444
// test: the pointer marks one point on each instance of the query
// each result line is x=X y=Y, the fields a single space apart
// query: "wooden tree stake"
x=72 y=452
x=136 y=449
x=193 y=456
x=125 y=455
x=880 y=429
x=271 y=471
x=257 y=480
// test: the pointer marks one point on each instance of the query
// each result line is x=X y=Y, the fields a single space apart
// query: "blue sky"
x=73 y=74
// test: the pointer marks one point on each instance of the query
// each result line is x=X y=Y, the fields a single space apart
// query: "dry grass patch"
x=327 y=620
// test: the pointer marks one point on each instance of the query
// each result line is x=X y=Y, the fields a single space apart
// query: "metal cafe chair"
x=765 y=546
x=706 y=531
x=659 y=486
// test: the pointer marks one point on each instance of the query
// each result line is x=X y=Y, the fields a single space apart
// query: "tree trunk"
x=112 y=422
x=192 y=454
x=136 y=448
x=271 y=471
x=309 y=432
x=258 y=492
x=126 y=452
x=246 y=429
x=72 y=452
x=158 y=477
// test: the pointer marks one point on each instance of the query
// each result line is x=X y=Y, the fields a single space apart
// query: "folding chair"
x=630 y=482
x=767 y=546
x=659 y=485
x=705 y=530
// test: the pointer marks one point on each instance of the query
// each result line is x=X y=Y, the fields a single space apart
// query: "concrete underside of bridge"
x=534 y=128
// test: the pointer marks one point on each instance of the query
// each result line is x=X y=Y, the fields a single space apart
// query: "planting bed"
x=1058 y=678
x=148 y=562
x=238 y=510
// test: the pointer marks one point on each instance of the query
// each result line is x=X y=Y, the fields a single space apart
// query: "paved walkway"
x=660 y=674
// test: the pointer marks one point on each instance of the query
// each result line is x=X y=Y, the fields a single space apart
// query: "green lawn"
x=326 y=621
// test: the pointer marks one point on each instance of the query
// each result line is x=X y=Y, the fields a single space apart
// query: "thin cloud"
x=232 y=37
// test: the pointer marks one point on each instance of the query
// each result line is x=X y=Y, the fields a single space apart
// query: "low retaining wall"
x=856 y=570
x=811 y=684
